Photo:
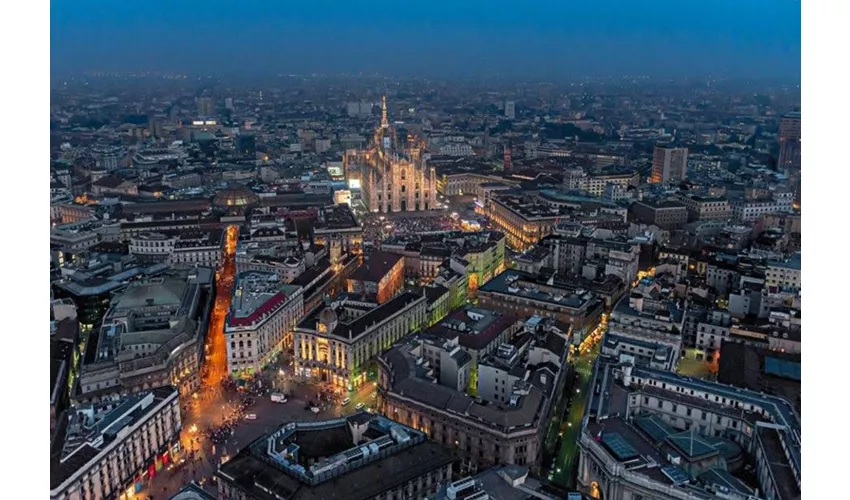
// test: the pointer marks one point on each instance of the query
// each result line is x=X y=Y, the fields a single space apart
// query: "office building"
x=510 y=110
x=647 y=324
x=522 y=294
x=205 y=107
x=669 y=164
x=379 y=278
x=789 y=142
x=421 y=384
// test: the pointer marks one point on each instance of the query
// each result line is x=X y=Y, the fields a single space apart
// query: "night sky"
x=459 y=38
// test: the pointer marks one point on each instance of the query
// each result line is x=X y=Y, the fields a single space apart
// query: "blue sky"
x=460 y=38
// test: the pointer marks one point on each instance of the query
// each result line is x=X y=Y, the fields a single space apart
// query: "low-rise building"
x=151 y=336
x=379 y=278
x=701 y=208
x=647 y=325
x=524 y=295
x=653 y=434
x=481 y=254
x=666 y=214
x=263 y=313
x=360 y=457
x=335 y=341
x=104 y=450
x=785 y=273
x=418 y=390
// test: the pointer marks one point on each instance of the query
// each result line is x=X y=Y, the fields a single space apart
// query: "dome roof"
x=235 y=195
x=328 y=319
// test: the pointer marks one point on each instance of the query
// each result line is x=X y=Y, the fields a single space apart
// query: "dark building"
x=246 y=145
x=664 y=214
x=360 y=457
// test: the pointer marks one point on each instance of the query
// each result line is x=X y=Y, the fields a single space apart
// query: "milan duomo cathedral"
x=393 y=173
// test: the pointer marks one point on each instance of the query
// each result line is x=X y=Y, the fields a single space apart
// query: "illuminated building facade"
x=335 y=342
x=262 y=315
x=393 y=175
x=379 y=279
x=524 y=221
x=108 y=450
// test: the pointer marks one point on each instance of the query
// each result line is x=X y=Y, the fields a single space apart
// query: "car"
x=345 y=401
x=314 y=409
x=251 y=416
x=359 y=406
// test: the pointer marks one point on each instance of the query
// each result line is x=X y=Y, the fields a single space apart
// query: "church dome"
x=235 y=196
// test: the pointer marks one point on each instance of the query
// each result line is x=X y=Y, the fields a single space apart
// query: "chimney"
x=627 y=375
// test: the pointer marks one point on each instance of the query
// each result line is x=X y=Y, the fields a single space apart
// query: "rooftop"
x=348 y=458
x=520 y=284
x=356 y=318
x=410 y=379
x=256 y=295
x=84 y=433
x=375 y=266
x=474 y=327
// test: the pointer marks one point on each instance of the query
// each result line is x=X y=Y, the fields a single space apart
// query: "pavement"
x=562 y=468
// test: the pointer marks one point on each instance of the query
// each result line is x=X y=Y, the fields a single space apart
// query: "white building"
x=102 y=451
x=259 y=325
x=786 y=273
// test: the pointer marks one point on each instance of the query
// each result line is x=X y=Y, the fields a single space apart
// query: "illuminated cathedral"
x=393 y=172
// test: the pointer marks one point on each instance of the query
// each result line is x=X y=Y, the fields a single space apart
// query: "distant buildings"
x=263 y=313
x=355 y=458
x=510 y=110
x=669 y=164
x=102 y=450
x=789 y=142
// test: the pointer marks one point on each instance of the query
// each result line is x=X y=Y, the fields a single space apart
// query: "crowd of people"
x=376 y=228
x=221 y=433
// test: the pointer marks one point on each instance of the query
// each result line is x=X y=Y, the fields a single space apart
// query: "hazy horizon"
x=544 y=39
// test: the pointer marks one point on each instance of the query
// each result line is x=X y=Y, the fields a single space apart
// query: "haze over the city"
x=545 y=39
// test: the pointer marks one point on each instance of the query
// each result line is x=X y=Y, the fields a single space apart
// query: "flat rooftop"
x=475 y=327
x=520 y=284
x=256 y=294
x=375 y=266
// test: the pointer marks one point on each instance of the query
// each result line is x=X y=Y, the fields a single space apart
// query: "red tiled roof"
x=258 y=313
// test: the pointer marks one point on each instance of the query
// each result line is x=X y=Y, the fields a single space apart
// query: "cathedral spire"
x=384 y=122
